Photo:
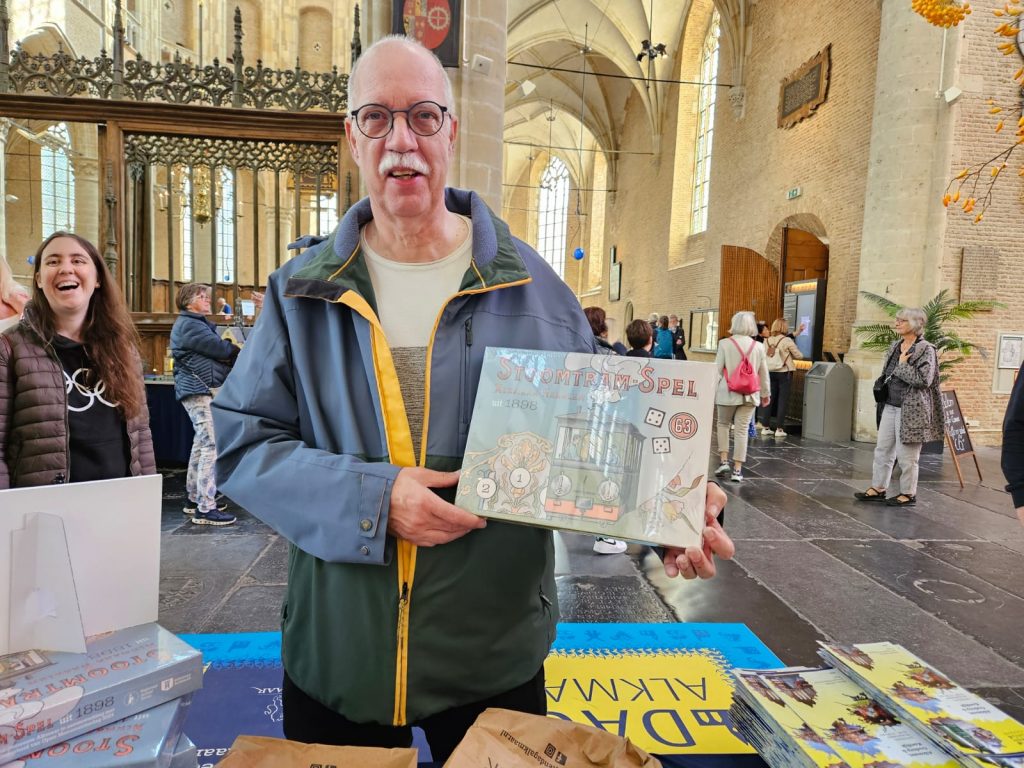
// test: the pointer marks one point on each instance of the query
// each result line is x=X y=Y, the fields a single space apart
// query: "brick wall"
x=983 y=73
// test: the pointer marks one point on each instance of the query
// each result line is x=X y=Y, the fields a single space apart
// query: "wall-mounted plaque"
x=435 y=23
x=805 y=90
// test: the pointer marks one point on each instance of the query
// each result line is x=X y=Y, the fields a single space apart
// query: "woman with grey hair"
x=909 y=410
x=737 y=407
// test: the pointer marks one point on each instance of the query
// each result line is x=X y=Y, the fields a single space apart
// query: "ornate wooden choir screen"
x=221 y=211
x=195 y=173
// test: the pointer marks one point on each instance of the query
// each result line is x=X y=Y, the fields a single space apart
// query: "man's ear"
x=350 y=137
x=454 y=134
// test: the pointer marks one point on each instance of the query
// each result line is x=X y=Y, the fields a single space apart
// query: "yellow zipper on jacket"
x=400 y=450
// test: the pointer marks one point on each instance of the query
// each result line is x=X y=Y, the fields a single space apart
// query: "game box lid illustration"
x=602 y=444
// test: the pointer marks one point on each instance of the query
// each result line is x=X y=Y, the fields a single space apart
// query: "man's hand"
x=1020 y=514
x=422 y=517
x=697 y=561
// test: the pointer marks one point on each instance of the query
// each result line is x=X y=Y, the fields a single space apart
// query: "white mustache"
x=407 y=160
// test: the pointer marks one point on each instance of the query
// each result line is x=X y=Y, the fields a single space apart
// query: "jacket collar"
x=338 y=266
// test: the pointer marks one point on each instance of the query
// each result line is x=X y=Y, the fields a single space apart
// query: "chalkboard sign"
x=959 y=439
x=957 y=436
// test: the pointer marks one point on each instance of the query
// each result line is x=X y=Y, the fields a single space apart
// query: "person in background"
x=1012 y=458
x=202 y=361
x=663 y=340
x=653 y=320
x=223 y=308
x=599 y=326
x=781 y=352
x=345 y=421
x=72 y=399
x=678 y=337
x=733 y=407
x=911 y=414
x=638 y=334
x=13 y=296
x=762 y=332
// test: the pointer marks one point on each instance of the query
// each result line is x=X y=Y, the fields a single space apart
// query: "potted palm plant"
x=939 y=312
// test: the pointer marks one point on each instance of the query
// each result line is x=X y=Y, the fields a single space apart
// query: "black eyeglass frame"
x=354 y=114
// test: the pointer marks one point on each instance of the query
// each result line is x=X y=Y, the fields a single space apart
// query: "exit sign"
x=794 y=193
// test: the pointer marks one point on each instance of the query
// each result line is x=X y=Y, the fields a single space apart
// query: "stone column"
x=480 y=96
x=904 y=221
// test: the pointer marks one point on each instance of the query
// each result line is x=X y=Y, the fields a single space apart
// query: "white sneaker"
x=737 y=476
x=766 y=430
x=603 y=546
x=723 y=469
x=780 y=432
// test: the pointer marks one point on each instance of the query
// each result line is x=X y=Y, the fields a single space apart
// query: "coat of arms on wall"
x=435 y=23
x=806 y=89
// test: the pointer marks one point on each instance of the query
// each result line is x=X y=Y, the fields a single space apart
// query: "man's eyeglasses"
x=375 y=121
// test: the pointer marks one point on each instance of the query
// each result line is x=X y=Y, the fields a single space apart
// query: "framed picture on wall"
x=1011 y=350
x=614 y=281
x=435 y=23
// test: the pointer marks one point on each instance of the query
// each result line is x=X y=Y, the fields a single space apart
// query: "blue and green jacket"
x=311 y=432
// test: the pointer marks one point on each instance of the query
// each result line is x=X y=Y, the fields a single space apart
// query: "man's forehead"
x=397 y=71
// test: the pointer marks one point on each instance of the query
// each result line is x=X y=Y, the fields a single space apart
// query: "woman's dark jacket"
x=34 y=444
x=202 y=359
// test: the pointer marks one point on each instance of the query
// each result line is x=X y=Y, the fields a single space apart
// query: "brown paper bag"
x=511 y=739
x=265 y=752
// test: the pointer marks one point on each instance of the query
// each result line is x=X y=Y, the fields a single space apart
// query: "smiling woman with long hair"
x=72 y=399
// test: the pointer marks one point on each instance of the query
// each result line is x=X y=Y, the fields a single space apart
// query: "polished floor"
x=944 y=578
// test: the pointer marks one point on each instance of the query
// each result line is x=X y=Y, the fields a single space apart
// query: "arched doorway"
x=748 y=281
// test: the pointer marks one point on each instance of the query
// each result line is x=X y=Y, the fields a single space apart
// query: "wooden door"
x=748 y=282
x=804 y=256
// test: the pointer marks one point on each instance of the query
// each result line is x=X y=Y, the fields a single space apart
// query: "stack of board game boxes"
x=121 y=703
x=877 y=705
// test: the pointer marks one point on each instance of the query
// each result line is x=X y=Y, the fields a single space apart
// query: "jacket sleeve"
x=789 y=347
x=919 y=373
x=197 y=336
x=333 y=506
x=1012 y=459
x=762 y=372
x=6 y=408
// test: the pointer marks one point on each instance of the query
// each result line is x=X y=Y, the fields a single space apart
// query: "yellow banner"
x=665 y=702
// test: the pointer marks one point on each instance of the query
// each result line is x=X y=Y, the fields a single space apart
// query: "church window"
x=57 y=180
x=552 y=216
x=705 y=127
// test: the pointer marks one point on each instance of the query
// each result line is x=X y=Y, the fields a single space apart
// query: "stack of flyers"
x=778 y=733
x=824 y=715
x=967 y=727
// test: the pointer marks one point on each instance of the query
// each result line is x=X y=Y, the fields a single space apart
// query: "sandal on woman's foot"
x=871 y=494
x=903 y=500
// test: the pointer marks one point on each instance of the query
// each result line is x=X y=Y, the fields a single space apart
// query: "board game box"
x=602 y=444
x=147 y=739
x=63 y=695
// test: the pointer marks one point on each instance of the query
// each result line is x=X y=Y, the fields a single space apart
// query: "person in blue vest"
x=344 y=424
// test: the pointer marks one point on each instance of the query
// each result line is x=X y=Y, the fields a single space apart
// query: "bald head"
x=366 y=61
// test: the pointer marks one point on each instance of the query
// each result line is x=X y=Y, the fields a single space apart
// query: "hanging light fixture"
x=201 y=194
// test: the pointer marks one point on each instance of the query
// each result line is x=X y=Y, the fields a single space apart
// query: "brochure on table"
x=84 y=559
x=615 y=446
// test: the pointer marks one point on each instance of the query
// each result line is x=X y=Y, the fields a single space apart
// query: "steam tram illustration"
x=595 y=468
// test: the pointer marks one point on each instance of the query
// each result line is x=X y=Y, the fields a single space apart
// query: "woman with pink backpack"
x=743 y=382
